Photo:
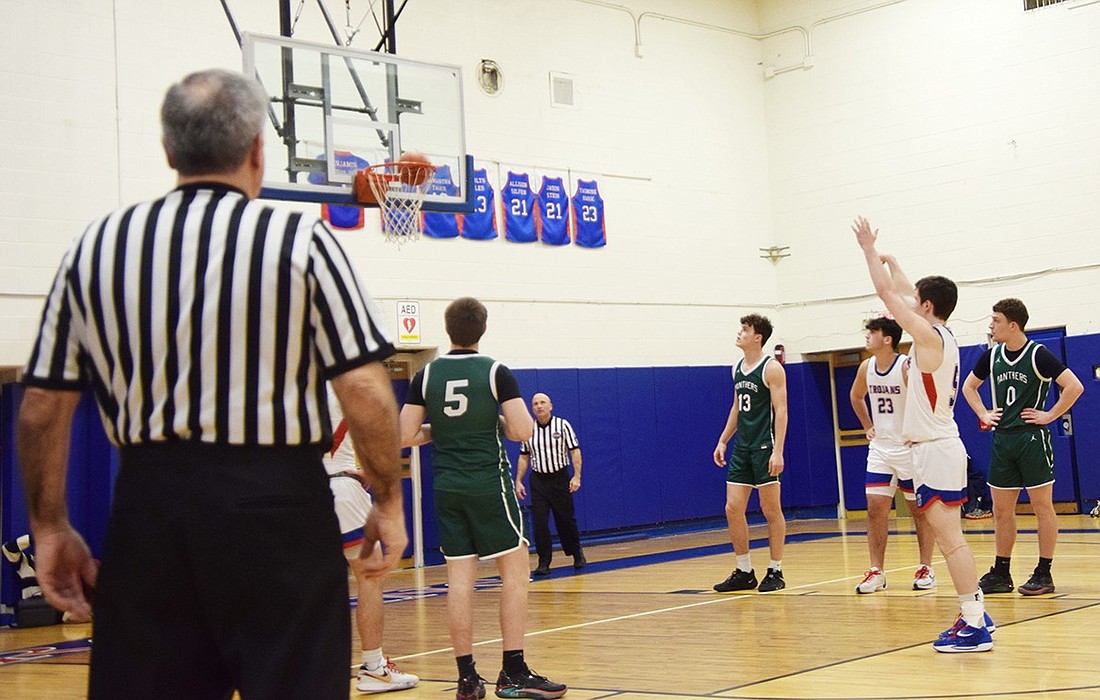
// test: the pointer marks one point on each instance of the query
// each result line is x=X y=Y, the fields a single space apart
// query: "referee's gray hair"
x=210 y=120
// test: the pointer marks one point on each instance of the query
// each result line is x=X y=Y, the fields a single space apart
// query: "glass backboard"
x=335 y=110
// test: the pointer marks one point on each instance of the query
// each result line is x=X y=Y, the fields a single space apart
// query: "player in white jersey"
x=882 y=379
x=377 y=674
x=939 y=458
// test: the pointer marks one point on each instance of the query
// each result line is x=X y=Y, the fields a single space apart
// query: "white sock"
x=777 y=565
x=973 y=608
x=744 y=562
x=373 y=659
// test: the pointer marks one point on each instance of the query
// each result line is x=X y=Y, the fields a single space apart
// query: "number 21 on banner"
x=408 y=322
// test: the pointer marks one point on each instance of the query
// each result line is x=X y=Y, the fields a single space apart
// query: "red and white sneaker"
x=385 y=679
x=873 y=580
x=924 y=579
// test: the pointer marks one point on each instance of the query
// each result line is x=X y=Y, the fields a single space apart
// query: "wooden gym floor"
x=641 y=622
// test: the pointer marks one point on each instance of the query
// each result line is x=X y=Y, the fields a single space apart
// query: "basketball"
x=414 y=168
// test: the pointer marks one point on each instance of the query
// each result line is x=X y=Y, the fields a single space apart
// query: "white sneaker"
x=873 y=580
x=385 y=679
x=924 y=579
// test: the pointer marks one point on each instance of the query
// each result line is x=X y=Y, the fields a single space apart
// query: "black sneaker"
x=528 y=685
x=994 y=582
x=542 y=569
x=738 y=581
x=470 y=688
x=579 y=562
x=773 y=581
x=1038 y=584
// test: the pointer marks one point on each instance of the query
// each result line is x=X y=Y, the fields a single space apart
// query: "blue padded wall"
x=1083 y=357
x=600 y=504
x=638 y=445
x=810 y=478
x=647 y=435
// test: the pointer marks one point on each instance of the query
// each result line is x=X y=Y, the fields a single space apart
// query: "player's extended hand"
x=66 y=571
x=521 y=490
x=574 y=484
x=386 y=527
x=864 y=235
x=1033 y=416
x=720 y=454
x=775 y=464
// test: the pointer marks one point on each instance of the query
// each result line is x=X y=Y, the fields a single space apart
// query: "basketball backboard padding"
x=336 y=110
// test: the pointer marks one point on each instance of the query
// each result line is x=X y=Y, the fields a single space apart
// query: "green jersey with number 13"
x=755 y=429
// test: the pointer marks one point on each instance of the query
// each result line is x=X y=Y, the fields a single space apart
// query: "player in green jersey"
x=465 y=404
x=1020 y=372
x=759 y=419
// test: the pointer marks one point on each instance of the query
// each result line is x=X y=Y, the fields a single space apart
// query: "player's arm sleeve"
x=1049 y=366
x=348 y=332
x=415 y=394
x=981 y=367
x=507 y=385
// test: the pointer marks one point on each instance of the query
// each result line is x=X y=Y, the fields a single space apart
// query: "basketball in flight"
x=414 y=168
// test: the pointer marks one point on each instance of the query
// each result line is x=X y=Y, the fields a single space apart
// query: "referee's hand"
x=65 y=570
x=384 y=541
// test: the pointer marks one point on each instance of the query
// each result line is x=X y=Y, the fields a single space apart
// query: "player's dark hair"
x=760 y=325
x=465 y=321
x=942 y=292
x=889 y=327
x=1013 y=310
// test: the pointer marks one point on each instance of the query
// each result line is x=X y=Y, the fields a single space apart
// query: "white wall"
x=907 y=116
x=966 y=131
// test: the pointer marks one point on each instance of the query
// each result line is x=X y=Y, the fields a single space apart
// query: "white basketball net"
x=399 y=199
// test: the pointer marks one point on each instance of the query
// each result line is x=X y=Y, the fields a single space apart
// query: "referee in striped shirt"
x=206 y=324
x=548 y=453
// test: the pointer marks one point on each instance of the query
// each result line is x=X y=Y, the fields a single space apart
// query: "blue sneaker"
x=960 y=623
x=965 y=639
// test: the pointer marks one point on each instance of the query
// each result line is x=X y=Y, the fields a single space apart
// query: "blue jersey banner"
x=589 y=227
x=340 y=216
x=553 y=212
x=441 y=224
x=519 y=209
x=481 y=223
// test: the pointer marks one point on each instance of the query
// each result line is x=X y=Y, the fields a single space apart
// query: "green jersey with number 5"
x=754 y=407
x=463 y=409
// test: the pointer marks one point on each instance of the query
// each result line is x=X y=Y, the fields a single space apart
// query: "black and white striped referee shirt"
x=204 y=316
x=549 y=445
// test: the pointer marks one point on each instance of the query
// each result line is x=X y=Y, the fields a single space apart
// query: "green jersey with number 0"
x=1016 y=385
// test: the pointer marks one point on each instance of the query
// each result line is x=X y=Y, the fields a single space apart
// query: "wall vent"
x=1038 y=4
x=561 y=90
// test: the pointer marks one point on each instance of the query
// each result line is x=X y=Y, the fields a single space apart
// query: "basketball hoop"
x=398 y=189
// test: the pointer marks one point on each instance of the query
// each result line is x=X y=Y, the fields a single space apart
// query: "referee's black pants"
x=550 y=494
x=222 y=570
